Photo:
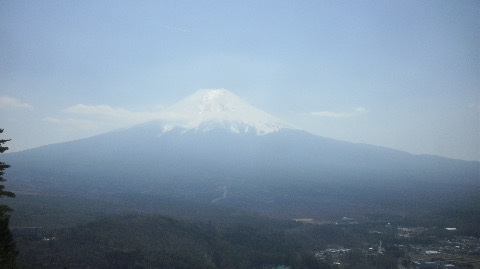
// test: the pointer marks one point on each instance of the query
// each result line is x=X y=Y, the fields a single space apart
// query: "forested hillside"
x=152 y=241
x=153 y=232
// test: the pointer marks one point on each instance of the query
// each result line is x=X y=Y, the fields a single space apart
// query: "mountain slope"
x=261 y=164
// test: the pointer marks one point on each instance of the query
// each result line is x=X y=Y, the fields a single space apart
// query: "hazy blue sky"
x=402 y=74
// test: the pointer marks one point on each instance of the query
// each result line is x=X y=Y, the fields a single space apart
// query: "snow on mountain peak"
x=208 y=108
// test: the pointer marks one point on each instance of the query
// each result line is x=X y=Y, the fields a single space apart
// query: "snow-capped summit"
x=208 y=108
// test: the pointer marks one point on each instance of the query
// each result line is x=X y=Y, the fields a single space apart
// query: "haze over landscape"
x=240 y=134
x=215 y=173
x=400 y=74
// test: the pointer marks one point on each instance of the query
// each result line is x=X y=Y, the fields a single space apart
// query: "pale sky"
x=400 y=74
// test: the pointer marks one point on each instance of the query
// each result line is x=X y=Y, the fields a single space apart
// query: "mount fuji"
x=214 y=147
x=207 y=109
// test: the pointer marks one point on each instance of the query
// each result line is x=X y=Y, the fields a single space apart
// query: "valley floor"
x=76 y=232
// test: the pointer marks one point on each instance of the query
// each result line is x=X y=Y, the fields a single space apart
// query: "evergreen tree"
x=7 y=245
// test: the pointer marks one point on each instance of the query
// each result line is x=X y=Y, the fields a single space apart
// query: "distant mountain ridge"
x=214 y=144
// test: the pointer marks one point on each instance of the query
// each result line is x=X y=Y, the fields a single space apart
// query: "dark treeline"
x=154 y=232
x=152 y=241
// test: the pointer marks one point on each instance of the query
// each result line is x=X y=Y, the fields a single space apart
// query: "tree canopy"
x=7 y=244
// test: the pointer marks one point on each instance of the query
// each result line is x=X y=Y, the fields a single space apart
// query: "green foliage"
x=195 y=235
x=7 y=244
x=152 y=241
x=155 y=241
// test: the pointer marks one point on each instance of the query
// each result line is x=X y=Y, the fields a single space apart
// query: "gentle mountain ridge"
x=259 y=171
